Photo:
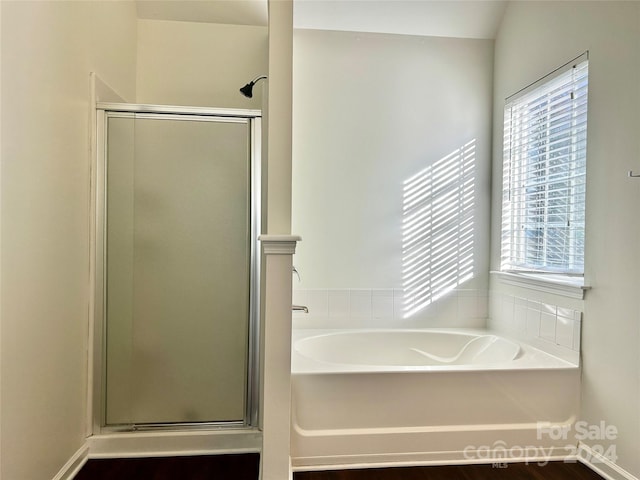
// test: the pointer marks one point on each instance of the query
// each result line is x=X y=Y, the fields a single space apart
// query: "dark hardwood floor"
x=246 y=467
x=511 y=471
x=211 y=467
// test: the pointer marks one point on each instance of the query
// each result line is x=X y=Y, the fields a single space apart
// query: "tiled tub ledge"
x=353 y=308
x=549 y=327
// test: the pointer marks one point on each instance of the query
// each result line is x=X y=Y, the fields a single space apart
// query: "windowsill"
x=564 y=285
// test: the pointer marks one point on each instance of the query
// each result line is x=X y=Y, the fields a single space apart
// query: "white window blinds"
x=545 y=143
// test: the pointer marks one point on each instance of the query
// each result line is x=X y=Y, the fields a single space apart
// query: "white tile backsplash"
x=355 y=308
x=541 y=324
x=300 y=297
x=565 y=312
x=338 y=303
x=577 y=331
x=548 y=326
x=483 y=305
x=532 y=329
x=398 y=303
x=382 y=304
x=467 y=306
x=508 y=305
x=360 y=303
x=564 y=331
x=520 y=316
x=318 y=302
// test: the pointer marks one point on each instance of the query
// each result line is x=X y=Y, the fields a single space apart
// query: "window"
x=544 y=166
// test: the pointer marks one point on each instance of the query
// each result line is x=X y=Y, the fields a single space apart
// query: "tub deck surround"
x=350 y=412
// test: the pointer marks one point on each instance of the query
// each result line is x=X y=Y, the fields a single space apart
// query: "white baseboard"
x=595 y=461
x=75 y=463
x=169 y=446
x=602 y=465
x=467 y=457
x=161 y=444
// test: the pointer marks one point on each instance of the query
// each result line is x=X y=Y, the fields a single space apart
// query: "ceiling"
x=235 y=12
x=442 y=18
x=439 y=18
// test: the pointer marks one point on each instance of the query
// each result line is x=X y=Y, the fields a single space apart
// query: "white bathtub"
x=397 y=397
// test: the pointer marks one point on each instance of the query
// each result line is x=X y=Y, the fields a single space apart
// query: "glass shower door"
x=178 y=269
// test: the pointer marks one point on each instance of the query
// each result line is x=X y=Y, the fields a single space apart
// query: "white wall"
x=48 y=50
x=202 y=64
x=534 y=39
x=370 y=112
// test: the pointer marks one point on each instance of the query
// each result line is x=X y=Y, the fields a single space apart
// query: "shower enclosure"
x=176 y=267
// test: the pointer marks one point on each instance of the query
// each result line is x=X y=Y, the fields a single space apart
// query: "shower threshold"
x=176 y=426
x=161 y=442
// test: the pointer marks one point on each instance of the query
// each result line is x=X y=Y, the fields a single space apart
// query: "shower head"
x=247 y=90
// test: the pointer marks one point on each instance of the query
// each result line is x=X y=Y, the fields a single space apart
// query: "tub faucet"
x=298 y=308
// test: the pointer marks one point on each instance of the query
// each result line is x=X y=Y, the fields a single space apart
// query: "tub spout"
x=299 y=308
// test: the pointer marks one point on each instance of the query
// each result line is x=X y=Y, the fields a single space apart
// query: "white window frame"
x=521 y=165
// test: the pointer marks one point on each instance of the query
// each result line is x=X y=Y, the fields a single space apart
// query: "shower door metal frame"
x=97 y=328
